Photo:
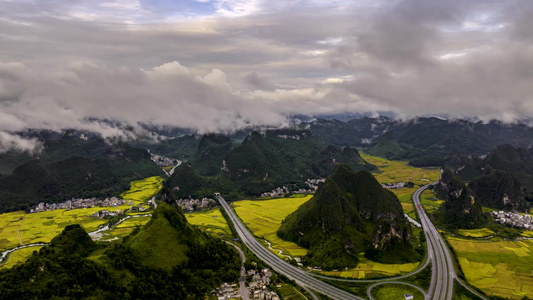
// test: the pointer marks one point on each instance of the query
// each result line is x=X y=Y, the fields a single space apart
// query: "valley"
x=476 y=249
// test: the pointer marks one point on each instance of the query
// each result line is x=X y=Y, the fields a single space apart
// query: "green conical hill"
x=462 y=208
x=350 y=213
x=388 y=147
x=165 y=241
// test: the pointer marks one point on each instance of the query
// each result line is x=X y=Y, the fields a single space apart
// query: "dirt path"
x=18 y=230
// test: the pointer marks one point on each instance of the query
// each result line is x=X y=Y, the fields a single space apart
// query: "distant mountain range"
x=262 y=162
x=70 y=167
x=423 y=141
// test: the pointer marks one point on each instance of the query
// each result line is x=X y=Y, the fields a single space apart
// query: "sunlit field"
x=500 y=268
x=370 y=269
x=142 y=190
x=263 y=218
x=20 y=256
x=211 y=221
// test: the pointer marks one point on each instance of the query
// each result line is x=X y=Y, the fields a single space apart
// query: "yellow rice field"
x=501 y=268
x=264 y=218
x=211 y=221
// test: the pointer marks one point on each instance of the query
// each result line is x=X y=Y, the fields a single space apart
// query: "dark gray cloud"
x=254 y=62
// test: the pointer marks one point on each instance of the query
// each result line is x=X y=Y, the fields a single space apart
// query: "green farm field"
x=476 y=233
x=142 y=190
x=370 y=269
x=211 y=221
x=43 y=226
x=263 y=218
x=498 y=267
x=20 y=256
x=397 y=171
x=395 y=292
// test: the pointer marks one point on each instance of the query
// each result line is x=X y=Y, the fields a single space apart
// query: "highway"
x=443 y=273
x=300 y=276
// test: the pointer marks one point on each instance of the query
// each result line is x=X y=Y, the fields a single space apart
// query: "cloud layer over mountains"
x=221 y=65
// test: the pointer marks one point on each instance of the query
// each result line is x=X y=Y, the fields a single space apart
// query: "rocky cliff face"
x=462 y=208
x=351 y=212
x=499 y=190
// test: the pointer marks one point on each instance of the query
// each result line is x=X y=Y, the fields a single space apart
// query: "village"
x=258 y=283
x=397 y=185
x=191 y=205
x=80 y=203
x=513 y=219
x=282 y=191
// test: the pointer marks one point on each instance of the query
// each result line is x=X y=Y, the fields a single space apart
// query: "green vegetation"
x=369 y=269
x=475 y=233
x=18 y=257
x=499 y=190
x=142 y=190
x=259 y=164
x=263 y=218
x=210 y=221
x=512 y=165
x=497 y=267
x=94 y=169
x=427 y=141
x=75 y=267
x=347 y=216
x=388 y=147
x=462 y=208
x=391 y=171
x=395 y=291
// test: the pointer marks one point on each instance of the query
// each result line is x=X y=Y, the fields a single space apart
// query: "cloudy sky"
x=217 y=65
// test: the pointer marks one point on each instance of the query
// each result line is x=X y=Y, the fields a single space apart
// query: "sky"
x=219 y=65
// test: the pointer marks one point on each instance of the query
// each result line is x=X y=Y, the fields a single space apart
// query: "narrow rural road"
x=242 y=285
x=300 y=276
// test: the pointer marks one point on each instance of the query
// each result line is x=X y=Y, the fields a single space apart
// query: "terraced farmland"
x=142 y=190
x=501 y=268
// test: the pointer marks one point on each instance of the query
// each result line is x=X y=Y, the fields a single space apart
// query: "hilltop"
x=167 y=258
x=350 y=213
x=462 y=208
x=514 y=162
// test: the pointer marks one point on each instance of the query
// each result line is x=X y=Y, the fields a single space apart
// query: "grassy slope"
x=160 y=245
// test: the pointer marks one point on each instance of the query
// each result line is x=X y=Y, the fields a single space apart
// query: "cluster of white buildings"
x=259 y=283
x=281 y=191
x=277 y=192
x=195 y=204
x=513 y=219
x=397 y=185
x=291 y=137
x=313 y=183
x=80 y=203
x=228 y=291
x=104 y=213
x=163 y=161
